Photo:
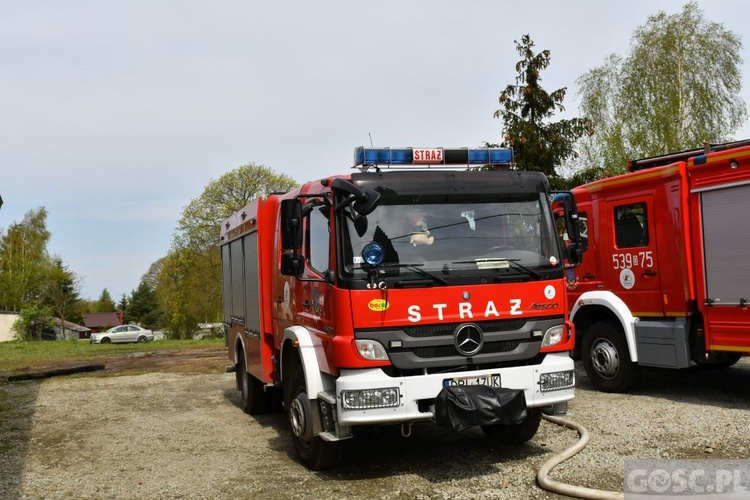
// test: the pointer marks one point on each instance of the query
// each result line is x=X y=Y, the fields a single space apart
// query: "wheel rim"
x=297 y=418
x=605 y=358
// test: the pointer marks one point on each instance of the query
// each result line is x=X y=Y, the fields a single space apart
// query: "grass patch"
x=23 y=356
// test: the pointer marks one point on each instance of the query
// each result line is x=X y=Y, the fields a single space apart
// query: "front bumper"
x=417 y=393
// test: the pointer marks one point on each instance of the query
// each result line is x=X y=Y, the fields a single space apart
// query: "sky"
x=115 y=115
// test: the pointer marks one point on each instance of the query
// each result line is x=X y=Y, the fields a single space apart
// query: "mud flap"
x=459 y=408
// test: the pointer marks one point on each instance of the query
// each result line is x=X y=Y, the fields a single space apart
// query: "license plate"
x=492 y=380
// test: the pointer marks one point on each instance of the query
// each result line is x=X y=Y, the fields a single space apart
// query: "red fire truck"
x=418 y=288
x=664 y=282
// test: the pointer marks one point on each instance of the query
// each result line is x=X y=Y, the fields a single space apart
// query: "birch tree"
x=24 y=261
x=678 y=87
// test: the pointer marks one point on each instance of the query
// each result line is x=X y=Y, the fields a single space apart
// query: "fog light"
x=327 y=417
x=553 y=336
x=556 y=381
x=370 y=398
x=371 y=349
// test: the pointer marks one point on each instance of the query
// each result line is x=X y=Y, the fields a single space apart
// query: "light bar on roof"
x=432 y=156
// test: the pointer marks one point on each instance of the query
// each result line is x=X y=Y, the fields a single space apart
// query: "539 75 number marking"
x=635 y=259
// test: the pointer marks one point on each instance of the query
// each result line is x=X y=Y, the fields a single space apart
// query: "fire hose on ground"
x=568 y=489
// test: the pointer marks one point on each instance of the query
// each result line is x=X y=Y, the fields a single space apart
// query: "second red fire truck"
x=404 y=292
x=665 y=281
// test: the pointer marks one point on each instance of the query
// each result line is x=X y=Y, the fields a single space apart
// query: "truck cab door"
x=632 y=269
x=312 y=293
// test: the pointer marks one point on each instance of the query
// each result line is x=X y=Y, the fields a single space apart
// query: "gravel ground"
x=167 y=435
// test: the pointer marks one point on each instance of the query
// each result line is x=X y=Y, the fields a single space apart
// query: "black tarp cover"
x=461 y=407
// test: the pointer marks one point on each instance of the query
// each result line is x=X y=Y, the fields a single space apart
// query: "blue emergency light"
x=432 y=156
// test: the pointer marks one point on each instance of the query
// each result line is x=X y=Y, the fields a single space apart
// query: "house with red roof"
x=99 y=322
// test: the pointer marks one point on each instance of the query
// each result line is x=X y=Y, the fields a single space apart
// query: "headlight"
x=556 y=381
x=370 y=398
x=553 y=336
x=371 y=349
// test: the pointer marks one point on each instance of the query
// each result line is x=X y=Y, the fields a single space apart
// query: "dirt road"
x=176 y=435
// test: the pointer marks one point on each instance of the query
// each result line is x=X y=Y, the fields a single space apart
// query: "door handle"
x=588 y=276
x=648 y=273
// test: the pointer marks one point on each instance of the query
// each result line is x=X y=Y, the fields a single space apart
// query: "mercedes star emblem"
x=468 y=338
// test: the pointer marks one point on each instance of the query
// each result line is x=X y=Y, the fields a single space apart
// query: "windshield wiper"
x=512 y=262
x=415 y=268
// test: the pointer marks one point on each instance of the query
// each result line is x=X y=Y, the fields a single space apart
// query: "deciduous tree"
x=32 y=320
x=678 y=87
x=24 y=261
x=189 y=278
x=198 y=228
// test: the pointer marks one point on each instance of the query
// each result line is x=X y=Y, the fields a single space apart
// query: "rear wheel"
x=607 y=360
x=517 y=433
x=141 y=339
x=313 y=452
x=254 y=397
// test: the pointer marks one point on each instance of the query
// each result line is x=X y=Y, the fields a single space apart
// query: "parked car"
x=124 y=333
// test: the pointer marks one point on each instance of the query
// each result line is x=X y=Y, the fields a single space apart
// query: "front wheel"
x=141 y=339
x=105 y=340
x=313 y=452
x=516 y=434
x=607 y=360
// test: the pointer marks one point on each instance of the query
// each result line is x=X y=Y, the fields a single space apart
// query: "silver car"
x=124 y=333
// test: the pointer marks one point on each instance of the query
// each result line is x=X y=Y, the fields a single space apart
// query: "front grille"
x=445 y=351
x=448 y=328
x=433 y=346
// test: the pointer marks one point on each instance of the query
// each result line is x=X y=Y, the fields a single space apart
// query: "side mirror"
x=291 y=224
x=292 y=264
x=571 y=218
x=330 y=277
x=367 y=204
x=574 y=251
x=574 y=254
x=363 y=201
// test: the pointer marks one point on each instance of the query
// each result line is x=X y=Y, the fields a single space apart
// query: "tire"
x=254 y=397
x=313 y=452
x=141 y=339
x=105 y=340
x=238 y=369
x=720 y=361
x=516 y=434
x=607 y=360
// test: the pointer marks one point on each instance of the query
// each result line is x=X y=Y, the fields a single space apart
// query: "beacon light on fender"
x=387 y=397
x=371 y=349
x=557 y=381
x=432 y=156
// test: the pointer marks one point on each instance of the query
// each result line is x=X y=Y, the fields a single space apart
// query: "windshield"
x=482 y=236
